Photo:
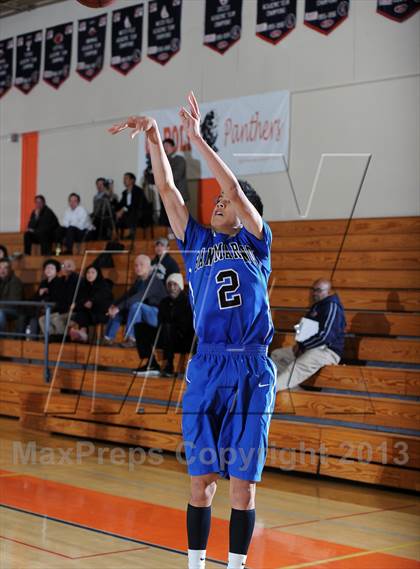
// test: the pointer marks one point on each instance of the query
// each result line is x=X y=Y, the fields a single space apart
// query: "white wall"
x=356 y=91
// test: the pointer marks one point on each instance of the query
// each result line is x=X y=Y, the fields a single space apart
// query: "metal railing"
x=28 y=303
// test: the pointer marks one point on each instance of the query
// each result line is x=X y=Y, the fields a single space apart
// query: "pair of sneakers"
x=153 y=369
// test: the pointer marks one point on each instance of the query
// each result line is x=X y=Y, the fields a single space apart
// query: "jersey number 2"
x=229 y=279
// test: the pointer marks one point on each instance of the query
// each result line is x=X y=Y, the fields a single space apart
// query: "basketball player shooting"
x=230 y=391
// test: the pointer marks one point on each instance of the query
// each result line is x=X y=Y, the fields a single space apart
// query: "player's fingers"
x=136 y=132
x=187 y=114
x=193 y=102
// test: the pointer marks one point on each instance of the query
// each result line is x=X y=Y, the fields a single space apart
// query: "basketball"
x=95 y=3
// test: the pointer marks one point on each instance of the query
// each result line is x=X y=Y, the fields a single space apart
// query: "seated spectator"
x=76 y=224
x=11 y=288
x=139 y=304
x=3 y=252
x=325 y=347
x=163 y=263
x=104 y=205
x=133 y=209
x=59 y=315
x=176 y=332
x=42 y=227
x=92 y=302
x=49 y=290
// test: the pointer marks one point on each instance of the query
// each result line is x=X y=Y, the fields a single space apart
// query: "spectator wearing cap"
x=173 y=334
x=163 y=263
x=76 y=224
x=42 y=227
x=11 y=288
x=139 y=304
x=59 y=315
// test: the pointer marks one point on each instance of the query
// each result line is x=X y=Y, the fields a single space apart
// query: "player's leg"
x=242 y=520
x=203 y=489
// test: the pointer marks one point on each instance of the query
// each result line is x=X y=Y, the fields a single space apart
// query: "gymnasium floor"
x=91 y=515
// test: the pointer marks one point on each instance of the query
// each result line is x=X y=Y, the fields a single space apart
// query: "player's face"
x=224 y=216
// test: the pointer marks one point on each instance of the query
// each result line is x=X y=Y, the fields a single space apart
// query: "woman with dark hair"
x=3 y=253
x=93 y=300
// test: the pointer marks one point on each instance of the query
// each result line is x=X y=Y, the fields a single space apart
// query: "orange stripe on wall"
x=29 y=178
x=209 y=189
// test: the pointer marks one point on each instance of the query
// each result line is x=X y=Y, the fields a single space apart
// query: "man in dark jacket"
x=11 y=288
x=42 y=227
x=163 y=263
x=139 y=304
x=175 y=330
x=133 y=208
x=322 y=347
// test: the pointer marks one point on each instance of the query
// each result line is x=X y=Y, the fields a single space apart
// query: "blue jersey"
x=228 y=279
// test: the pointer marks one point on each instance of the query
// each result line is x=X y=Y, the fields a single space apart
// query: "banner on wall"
x=91 y=46
x=398 y=10
x=164 y=33
x=250 y=133
x=275 y=19
x=57 y=59
x=127 y=34
x=223 y=24
x=28 y=60
x=6 y=65
x=325 y=15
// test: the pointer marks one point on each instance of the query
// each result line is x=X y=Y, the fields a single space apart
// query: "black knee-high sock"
x=241 y=527
x=198 y=526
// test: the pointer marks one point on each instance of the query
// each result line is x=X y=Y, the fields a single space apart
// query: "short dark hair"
x=130 y=175
x=6 y=261
x=169 y=141
x=73 y=194
x=53 y=262
x=5 y=252
x=252 y=196
x=100 y=179
x=40 y=197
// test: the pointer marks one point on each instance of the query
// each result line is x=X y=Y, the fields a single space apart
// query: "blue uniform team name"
x=221 y=251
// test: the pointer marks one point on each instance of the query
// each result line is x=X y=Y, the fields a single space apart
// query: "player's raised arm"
x=172 y=199
x=227 y=180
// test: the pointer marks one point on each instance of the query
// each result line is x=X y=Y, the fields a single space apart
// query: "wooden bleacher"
x=362 y=422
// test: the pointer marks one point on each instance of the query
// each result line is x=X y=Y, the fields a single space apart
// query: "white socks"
x=236 y=561
x=196 y=558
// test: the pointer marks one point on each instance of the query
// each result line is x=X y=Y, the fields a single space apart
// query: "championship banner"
x=398 y=10
x=164 y=34
x=28 y=61
x=91 y=46
x=6 y=65
x=251 y=134
x=275 y=19
x=58 y=41
x=325 y=15
x=223 y=24
x=127 y=34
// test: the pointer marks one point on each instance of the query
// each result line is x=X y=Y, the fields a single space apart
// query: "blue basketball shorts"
x=226 y=410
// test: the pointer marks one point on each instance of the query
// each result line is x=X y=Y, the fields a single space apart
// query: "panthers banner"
x=251 y=134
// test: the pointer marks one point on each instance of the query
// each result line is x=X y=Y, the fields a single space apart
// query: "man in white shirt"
x=76 y=224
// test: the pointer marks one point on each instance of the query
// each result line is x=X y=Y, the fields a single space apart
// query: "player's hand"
x=138 y=124
x=191 y=118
